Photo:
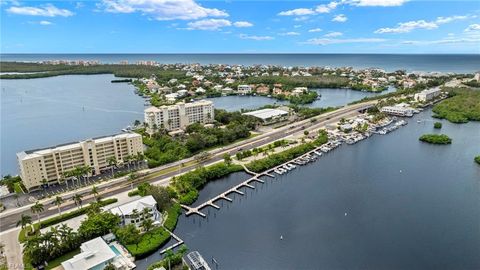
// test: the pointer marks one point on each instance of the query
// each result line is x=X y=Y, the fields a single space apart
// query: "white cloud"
x=163 y=9
x=244 y=36
x=314 y=30
x=328 y=7
x=297 y=26
x=333 y=34
x=378 y=3
x=301 y=18
x=340 y=18
x=328 y=41
x=473 y=27
x=243 y=24
x=297 y=12
x=407 y=27
x=448 y=40
x=48 y=10
x=44 y=23
x=208 y=24
x=289 y=34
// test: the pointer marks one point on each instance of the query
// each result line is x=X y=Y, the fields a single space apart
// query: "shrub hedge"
x=149 y=243
x=172 y=216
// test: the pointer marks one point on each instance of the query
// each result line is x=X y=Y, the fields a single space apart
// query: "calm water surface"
x=409 y=205
x=389 y=62
x=49 y=111
x=330 y=97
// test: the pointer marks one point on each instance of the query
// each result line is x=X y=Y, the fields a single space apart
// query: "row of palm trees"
x=38 y=207
x=80 y=173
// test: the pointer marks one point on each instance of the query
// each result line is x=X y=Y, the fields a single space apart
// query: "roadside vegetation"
x=435 y=139
x=461 y=107
x=30 y=229
x=279 y=158
x=230 y=127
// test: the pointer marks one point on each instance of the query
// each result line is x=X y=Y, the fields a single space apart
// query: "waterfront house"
x=263 y=90
x=244 y=89
x=96 y=254
x=131 y=213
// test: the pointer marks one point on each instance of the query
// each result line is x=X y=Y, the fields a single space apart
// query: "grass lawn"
x=56 y=262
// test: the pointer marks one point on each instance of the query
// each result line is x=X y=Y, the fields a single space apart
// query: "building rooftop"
x=127 y=209
x=267 y=113
x=72 y=145
x=93 y=253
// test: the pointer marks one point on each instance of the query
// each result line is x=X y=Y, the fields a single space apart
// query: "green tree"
x=112 y=163
x=128 y=234
x=98 y=224
x=77 y=198
x=24 y=221
x=58 y=201
x=37 y=208
x=227 y=159
x=94 y=192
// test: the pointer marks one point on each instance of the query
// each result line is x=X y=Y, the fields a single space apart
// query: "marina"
x=334 y=142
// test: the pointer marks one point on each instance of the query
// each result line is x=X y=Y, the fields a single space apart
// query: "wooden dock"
x=236 y=189
x=178 y=243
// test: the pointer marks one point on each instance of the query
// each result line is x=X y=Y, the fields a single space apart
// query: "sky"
x=236 y=26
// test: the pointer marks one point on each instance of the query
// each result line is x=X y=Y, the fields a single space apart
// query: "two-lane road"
x=9 y=220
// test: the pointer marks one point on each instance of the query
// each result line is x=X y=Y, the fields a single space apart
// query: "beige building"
x=51 y=163
x=179 y=116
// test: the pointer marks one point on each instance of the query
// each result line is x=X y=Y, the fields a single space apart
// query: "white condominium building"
x=427 y=95
x=51 y=163
x=179 y=116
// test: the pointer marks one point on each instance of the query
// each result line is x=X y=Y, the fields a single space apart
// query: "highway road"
x=9 y=220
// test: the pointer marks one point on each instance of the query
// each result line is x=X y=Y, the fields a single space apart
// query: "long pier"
x=236 y=189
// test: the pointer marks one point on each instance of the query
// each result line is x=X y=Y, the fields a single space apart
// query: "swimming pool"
x=115 y=250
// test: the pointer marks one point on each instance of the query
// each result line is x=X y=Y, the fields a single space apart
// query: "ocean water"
x=459 y=63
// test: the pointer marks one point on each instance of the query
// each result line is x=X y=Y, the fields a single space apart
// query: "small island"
x=436 y=139
x=477 y=159
x=437 y=125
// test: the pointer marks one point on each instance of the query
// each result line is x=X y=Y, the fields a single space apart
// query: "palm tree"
x=147 y=224
x=94 y=192
x=134 y=215
x=145 y=213
x=112 y=162
x=139 y=157
x=58 y=202
x=127 y=159
x=77 y=198
x=37 y=209
x=24 y=221
x=86 y=171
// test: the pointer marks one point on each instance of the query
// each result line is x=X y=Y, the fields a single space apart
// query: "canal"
x=388 y=202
